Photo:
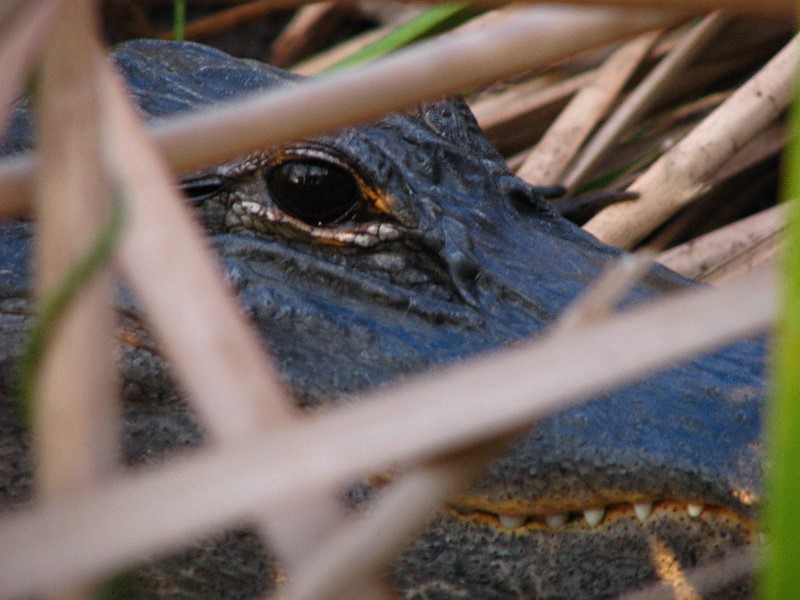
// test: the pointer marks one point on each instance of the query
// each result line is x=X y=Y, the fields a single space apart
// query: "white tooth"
x=556 y=520
x=694 y=509
x=594 y=516
x=511 y=521
x=642 y=510
x=253 y=207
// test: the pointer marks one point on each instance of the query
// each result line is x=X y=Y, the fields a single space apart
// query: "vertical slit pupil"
x=314 y=191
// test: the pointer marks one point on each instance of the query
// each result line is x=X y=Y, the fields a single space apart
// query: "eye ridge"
x=313 y=190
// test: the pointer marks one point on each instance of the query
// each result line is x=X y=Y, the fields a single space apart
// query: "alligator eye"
x=314 y=191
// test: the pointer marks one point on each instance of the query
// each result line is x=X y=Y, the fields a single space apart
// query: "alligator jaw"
x=503 y=556
x=557 y=513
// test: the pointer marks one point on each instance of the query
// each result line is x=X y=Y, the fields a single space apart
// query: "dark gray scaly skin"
x=466 y=258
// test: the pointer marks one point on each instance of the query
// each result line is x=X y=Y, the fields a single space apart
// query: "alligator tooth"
x=363 y=240
x=556 y=520
x=694 y=509
x=642 y=510
x=252 y=207
x=387 y=232
x=511 y=521
x=594 y=516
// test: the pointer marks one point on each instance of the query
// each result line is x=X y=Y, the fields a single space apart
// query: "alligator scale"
x=387 y=249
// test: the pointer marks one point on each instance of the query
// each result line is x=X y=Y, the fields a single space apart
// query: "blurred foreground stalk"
x=781 y=518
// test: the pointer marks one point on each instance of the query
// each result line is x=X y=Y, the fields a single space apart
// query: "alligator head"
x=376 y=252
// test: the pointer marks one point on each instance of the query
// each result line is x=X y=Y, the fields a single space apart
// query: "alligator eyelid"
x=199 y=189
x=259 y=218
x=309 y=151
x=321 y=153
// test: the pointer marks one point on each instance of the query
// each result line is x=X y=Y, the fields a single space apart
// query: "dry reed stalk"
x=86 y=535
x=324 y=60
x=641 y=99
x=548 y=160
x=373 y=589
x=223 y=366
x=686 y=170
x=389 y=13
x=766 y=252
x=762 y=147
x=785 y=8
x=304 y=31
x=424 y=72
x=17 y=186
x=231 y=17
x=201 y=2
x=364 y=548
x=758 y=7
x=8 y=11
x=715 y=211
x=76 y=416
x=510 y=109
x=674 y=124
x=367 y=545
x=705 y=579
x=328 y=58
x=720 y=207
x=600 y=300
x=300 y=524
x=76 y=419
x=696 y=78
x=691 y=109
x=20 y=45
x=702 y=256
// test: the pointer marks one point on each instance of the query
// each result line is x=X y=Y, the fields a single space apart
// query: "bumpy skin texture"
x=474 y=260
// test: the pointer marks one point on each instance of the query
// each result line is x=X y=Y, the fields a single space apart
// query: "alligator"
x=376 y=252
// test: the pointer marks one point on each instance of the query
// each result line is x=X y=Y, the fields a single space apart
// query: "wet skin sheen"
x=384 y=250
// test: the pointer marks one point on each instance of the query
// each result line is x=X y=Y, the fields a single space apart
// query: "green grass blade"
x=606 y=179
x=781 y=518
x=435 y=20
x=179 y=19
x=53 y=307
